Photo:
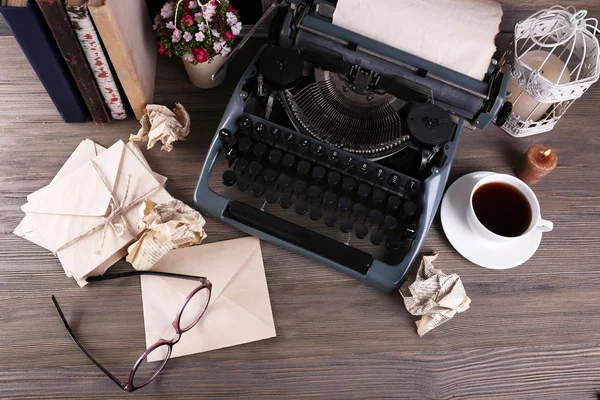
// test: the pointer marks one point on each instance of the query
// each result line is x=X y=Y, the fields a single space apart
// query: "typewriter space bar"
x=324 y=246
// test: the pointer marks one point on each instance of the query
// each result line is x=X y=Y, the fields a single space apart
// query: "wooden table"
x=531 y=332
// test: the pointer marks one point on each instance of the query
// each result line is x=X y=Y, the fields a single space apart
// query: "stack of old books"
x=94 y=58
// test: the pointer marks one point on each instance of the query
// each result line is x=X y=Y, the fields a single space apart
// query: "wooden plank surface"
x=531 y=332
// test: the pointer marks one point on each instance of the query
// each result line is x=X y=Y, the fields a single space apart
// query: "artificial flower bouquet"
x=197 y=31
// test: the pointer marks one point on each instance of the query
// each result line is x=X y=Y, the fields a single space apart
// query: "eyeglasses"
x=192 y=309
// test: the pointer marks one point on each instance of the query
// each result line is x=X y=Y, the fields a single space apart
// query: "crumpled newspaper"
x=434 y=295
x=166 y=226
x=160 y=123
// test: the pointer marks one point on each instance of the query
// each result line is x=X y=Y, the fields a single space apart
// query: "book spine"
x=31 y=32
x=58 y=22
x=92 y=49
x=138 y=83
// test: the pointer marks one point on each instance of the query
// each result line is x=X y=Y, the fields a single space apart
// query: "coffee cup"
x=502 y=208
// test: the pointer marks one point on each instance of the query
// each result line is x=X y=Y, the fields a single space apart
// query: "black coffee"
x=502 y=209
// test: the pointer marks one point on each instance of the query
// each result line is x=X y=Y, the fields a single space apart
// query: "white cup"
x=537 y=223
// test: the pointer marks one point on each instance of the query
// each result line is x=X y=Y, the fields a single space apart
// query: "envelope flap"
x=249 y=288
x=219 y=262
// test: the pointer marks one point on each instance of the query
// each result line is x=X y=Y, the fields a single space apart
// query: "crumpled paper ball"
x=160 y=123
x=435 y=296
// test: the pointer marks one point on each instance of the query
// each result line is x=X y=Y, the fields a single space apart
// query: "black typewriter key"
x=393 y=203
x=379 y=174
x=377 y=237
x=224 y=136
x=409 y=210
x=346 y=225
x=330 y=220
x=359 y=211
x=271 y=196
x=364 y=190
x=329 y=199
x=286 y=201
x=344 y=204
x=349 y=164
x=242 y=164
x=378 y=197
x=275 y=156
x=376 y=217
x=410 y=231
x=287 y=161
x=314 y=192
x=270 y=176
x=259 y=129
x=362 y=231
x=245 y=123
x=334 y=157
x=363 y=168
x=274 y=135
x=394 y=181
x=289 y=139
x=390 y=223
x=318 y=173
x=245 y=144
x=411 y=186
x=301 y=207
x=394 y=244
x=316 y=214
x=334 y=178
x=257 y=189
x=229 y=178
x=348 y=184
x=299 y=187
x=284 y=181
x=318 y=150
x=242 y=184
x=254 y=168
x=259 y=151
x=231 y=155
x=304 y=145
x=303 y=168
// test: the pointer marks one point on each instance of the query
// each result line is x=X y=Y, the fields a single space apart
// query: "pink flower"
x=170 y=25
x=187 y=19
x=228 y=35
x=193 y=4
x=226 y=50
x=237 y=28
x=198 y=15
x=199 y=36
x=176 y=37
x=162 y=50
x=208 y=11
x=231 y=18
x=167 y=10
x=188 y=57
x=218 y=46
x=200 y=55
x=187 y=36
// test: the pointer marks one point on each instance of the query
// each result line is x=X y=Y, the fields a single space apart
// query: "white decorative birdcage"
x=555 y=58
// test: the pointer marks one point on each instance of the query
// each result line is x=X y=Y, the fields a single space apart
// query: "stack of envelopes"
x=88 y=214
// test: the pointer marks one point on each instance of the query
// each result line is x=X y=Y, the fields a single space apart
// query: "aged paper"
x=458 y=34
x=160 y=123
x=166 y=226
x=435 y=296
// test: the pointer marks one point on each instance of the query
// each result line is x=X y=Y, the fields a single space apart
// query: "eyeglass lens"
x=146 y=370
x=194 y=309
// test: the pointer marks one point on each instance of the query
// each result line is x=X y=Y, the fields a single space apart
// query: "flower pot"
x=201 y=73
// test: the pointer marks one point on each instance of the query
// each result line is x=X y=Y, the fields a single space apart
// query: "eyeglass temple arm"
x=137 y=273
x=83 y=350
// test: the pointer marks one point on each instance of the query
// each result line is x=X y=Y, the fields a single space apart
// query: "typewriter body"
x=338 y=147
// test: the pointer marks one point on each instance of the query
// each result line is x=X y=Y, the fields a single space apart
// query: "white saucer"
x=480 y=251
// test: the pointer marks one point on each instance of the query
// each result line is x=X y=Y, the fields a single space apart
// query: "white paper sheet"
x=458 y=34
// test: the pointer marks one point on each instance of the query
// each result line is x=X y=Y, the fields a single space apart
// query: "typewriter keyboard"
x=301 y=180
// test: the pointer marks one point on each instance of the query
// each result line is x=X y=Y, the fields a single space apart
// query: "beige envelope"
x=239 y=310
x=86 y=150
x=73 y=205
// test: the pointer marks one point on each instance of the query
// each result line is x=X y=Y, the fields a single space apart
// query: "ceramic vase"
x=201 y=73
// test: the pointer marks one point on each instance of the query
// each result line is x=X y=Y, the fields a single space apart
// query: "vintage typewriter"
x=338 y=147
